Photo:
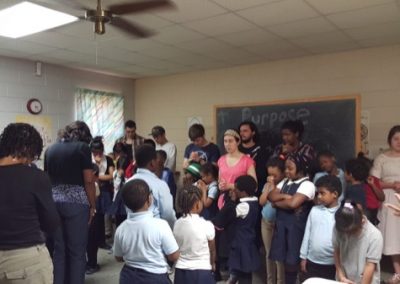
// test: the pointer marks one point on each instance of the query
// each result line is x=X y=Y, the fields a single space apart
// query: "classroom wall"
x=373 y=73
x=55 y=89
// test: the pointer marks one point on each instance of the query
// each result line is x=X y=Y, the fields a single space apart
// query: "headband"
x=233 y=133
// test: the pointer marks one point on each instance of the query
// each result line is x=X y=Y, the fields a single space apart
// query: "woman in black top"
x=26 y=208
x=69 y=165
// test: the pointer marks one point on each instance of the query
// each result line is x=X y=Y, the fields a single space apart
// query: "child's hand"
x=303 y=265
x=271 y=179
x=194 y=156
x=223 y=185
x=370 y=181
x=202 y=185
x=213 y=267
x=345 y=280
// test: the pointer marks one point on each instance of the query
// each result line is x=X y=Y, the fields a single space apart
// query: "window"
x=103 y=112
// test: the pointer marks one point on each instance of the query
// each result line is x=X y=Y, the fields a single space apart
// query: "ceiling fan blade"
x=131 y=29
x=128 y=8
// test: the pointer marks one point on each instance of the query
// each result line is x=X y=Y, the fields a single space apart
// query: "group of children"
x=322 y=228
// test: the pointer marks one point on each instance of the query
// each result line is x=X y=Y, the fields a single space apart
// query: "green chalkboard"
x=331 y=123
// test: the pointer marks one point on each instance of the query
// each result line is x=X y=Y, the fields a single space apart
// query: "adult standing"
x=131 y=139
x=162 y=143
x=250 y=146
x=200 y=150
x=26 y=208
x=69 y=165
x=233 y=164
x=162 y=205
x=386 y=168
x=292 y=134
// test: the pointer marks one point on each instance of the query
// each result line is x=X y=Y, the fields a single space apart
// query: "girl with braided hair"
x=195 y=237
x=293 y=198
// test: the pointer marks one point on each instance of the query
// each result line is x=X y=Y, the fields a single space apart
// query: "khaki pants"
x=275 y=270
x=31 y=265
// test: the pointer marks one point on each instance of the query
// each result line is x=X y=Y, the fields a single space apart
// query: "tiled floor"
x=109 y=272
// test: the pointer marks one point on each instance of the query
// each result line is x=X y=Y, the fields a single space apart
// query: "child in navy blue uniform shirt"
x=356 y=173
x=244 y=257
x=208 y=184
x=293 y=199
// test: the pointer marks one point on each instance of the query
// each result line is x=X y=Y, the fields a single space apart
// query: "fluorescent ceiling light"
x=27 y=18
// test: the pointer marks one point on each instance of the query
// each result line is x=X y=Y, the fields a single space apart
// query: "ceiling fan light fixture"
x=27 y=18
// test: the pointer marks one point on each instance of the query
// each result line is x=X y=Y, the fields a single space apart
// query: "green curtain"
x=103 y=112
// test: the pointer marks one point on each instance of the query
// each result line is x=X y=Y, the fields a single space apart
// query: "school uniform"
x=192 y=234
x=143 y=241
x=290 y=224
x=244 y=256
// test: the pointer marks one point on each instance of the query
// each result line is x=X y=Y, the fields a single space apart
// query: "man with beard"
x=250 y=146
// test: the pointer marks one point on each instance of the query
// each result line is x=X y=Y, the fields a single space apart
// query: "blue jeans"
x=70 y=239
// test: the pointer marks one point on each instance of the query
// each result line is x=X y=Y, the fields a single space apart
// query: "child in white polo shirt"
x=195 y=237
x=142 y=241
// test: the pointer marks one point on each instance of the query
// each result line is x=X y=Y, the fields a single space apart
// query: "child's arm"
x=377 y=191
x=341 y=276
x=292 y=203
x=213 y=253
x=173 y=257
x=268 y=188
x=119 y=258
x=368 y=273
x=207 y=201
x=305 y=243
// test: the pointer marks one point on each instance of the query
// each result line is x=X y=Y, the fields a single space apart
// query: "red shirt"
x=370 y=197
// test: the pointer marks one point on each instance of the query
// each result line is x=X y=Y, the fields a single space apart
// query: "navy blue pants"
x=198 y=276
x=70 y=241
x=130 y=275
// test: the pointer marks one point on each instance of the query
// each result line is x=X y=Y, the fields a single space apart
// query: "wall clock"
x=34 y=106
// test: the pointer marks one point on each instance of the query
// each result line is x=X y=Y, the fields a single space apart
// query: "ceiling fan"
x=111 y=15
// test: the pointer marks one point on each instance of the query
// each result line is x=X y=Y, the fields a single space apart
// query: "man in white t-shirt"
x=162 y=143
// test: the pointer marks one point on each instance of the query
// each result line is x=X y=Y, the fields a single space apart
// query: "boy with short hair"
x=327 y=163
x=356 y=173
x=317 y=253
x=143 y=241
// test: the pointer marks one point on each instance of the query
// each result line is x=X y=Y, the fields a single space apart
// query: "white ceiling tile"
x=241 y=4
x=67 y=55
x=176 y=34
x=389 y=30
x=192 y=59
x=165 y=52
x=379 y=41
x=331 y=41
x=276 y=50
x=279 y=12
x=372 y=15
x=148 y=21
x=204 y=45
x=20 y=45
x=249 y=37
x=303 y=28
x=232 y=54
x=334 y=6
x=189 y=10
x=131 y=44
x=221 y=24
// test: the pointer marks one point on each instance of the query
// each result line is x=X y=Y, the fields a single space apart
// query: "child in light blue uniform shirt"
x=316 y=251
x=327 y=163
x=276 y=173
x=143 y=241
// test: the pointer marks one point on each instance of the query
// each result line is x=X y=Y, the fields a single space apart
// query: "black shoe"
x=91 y=270
x=105 y=246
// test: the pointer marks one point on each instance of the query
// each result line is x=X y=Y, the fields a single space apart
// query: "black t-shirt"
x=26 y=207
x=356 y=193
x=260 y=157
x=65 y=162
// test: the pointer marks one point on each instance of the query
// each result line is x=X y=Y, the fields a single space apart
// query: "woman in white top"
x=387 y=169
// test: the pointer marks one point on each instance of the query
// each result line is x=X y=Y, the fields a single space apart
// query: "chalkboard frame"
x=355 y=97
